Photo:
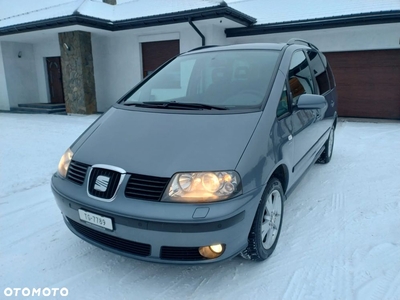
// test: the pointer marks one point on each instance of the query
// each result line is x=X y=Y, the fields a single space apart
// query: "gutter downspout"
x=203 y=38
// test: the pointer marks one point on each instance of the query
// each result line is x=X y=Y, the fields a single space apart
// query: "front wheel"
x=264 y=233
x=327 y=154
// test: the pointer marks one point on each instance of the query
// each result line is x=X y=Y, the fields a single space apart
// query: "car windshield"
x=231 y=79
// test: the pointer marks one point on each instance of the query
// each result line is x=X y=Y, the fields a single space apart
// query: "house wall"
x=216 y=36
x=371 y=37
x=117 y=67
x=4 y=103
x=20 y=73
x=118 y=60
x=41 y=51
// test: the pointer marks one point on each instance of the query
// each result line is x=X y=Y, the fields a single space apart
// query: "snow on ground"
x=340 y=237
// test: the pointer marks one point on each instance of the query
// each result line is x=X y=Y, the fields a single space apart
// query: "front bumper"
x=161 y=239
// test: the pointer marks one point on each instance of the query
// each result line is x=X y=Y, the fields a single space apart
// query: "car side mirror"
x=310 y=101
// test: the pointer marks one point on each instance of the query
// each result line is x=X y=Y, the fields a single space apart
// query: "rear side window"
x=319 y=69
x=300 y=78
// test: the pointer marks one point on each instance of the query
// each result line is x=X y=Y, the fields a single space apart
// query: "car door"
x=283 y=138
x=303 y=121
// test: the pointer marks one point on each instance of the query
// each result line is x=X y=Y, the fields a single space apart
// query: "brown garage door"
x=154 y=54
x=368 y=83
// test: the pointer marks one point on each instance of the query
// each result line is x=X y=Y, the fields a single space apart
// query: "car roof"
x=252 y=46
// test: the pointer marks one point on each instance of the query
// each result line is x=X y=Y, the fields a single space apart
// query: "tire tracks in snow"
x=376 y=277
x=330 y=270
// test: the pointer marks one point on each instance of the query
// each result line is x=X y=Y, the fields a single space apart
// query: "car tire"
x=266 y=228
x=327 y=154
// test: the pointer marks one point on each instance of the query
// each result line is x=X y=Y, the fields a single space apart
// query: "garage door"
x=368 y=83
x=154 y=54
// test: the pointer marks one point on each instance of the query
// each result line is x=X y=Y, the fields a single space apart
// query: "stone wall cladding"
x=78 y=72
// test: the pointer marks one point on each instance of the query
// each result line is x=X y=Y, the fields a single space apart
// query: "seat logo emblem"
x=101 y=183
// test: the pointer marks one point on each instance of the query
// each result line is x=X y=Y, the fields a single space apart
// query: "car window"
x=283 y=105
x=233 y=79
x=174 y=84
x=300 y=79
x=319 y=70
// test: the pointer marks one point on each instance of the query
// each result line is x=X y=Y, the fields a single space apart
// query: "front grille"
x=96 y=185
x=112 y=241
x=145 y=187
x=77 y=172
x=180 y=253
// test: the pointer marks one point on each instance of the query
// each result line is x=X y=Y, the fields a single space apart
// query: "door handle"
x=290 y=137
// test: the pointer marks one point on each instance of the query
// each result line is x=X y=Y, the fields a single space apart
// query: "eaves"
x=318 y=24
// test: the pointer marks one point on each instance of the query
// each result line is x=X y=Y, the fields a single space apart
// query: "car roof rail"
x=297 y=41
x=203 y=47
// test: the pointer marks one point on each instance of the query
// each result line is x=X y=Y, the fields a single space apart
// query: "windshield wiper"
x=176 y=105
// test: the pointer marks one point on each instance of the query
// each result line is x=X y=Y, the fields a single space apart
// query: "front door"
x=154 y=54
x=305 y=133
x=55 y=79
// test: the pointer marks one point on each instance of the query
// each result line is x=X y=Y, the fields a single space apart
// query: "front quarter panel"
x=90 y=130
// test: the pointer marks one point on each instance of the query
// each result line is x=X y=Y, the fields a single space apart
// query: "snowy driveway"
x=340 y=237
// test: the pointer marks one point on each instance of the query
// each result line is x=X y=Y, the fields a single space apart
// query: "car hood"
x=161 y=143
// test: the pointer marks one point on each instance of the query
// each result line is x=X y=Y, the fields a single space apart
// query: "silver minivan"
x=193 y=165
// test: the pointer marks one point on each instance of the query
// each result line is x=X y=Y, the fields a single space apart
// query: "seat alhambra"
x=193 y=165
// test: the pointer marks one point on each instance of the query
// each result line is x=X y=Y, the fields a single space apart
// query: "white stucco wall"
x=20 y=73
x=190 y=39
x=42 y=50
x=216 y=35
x=116 y=67
x=371 y=37
x=4 y=104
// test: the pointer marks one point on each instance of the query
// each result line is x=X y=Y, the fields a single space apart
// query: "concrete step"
x=43 y=105
x=34 y=110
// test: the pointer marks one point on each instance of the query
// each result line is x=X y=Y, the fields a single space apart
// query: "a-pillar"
x=77 y=72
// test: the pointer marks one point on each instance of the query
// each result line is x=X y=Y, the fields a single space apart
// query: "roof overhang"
x=318 y=24
x=220 y=11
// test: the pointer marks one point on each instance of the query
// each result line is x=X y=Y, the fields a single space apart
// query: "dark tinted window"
x=300 y=78
x=319 y=69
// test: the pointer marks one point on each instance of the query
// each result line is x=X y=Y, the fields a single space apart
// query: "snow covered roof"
x=272 y=11
x=132 y=9
x=125 y=15
x=28 y=15
x=28 y=11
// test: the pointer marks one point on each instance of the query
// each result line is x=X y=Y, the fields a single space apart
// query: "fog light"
x=212 y=251
x=217 y=248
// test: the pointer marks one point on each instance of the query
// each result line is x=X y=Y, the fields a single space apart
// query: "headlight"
x=65 y=160
x=203 y=187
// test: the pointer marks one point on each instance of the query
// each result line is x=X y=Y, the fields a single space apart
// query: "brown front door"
x=55 y=79
x=154 y=54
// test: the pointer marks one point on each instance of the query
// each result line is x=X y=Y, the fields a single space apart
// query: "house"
x=88 y=53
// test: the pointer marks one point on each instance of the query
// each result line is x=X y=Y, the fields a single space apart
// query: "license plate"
x=95 y=219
